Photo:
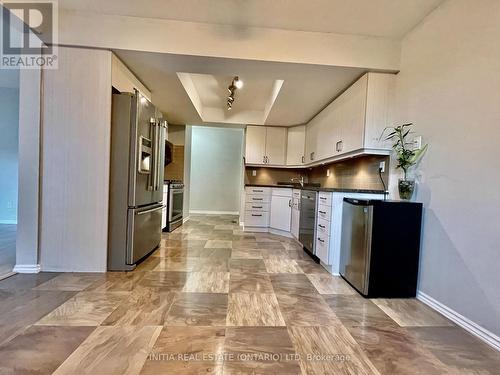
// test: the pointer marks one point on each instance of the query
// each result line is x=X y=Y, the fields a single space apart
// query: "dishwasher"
x=307 y=219
x=380 y=247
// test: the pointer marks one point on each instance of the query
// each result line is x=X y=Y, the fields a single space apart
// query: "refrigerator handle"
x=154 y=125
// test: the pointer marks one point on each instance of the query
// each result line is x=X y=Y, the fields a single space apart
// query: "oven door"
x=175 y=205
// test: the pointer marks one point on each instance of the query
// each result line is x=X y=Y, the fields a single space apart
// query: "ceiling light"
x=237 y=82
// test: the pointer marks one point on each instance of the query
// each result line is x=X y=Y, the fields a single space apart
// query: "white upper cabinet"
x=296 y=145
x=265 y=145
x=255 y=150
x=275 y=145
x=354 y=121
x=124 y=80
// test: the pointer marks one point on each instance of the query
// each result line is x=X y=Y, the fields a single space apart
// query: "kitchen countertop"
x=317 y=188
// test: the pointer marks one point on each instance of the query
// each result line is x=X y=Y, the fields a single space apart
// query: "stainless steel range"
x=175 y=204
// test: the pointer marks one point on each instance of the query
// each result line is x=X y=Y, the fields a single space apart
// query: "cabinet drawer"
x=258 y=190
x=261 y=207
x=282 y=192
x=322 y=247
x=256 y=219
x=296 y=193
x=325 y=198
x=252 y=198
x=323 y=227
x=324 y=212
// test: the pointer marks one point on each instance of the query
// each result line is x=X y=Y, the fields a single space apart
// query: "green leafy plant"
x=406 y=156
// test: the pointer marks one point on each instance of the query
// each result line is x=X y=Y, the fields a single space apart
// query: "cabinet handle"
x=264 y=159
x=303 y=159
x=322 y=212
x=258 y=191
x=339 y=146
x=290 y=203
x=323 y=198
x=321 y=226
x=257 y=199
x=256 y=215
x=312 y=156
x=320 y=240
x=256 y=206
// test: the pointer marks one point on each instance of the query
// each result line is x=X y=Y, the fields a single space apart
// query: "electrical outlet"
x=254 y=173
x=417 y=143
x=327 y=173
x=382 y=166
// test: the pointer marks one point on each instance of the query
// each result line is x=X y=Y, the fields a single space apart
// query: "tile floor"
x=215 y=300
x=7 y=248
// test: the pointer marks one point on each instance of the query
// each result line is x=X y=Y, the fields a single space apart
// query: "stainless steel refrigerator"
x=136 y=180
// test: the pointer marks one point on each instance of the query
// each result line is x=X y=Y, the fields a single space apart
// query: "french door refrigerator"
x=136 y=180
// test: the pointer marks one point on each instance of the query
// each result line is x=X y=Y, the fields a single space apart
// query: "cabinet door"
x=295 y=221
x=276 y=145
x=255 y=144
x=352 y=109
x=281 y=213
x=295 y=145
x=311 y=140
x=327 y=132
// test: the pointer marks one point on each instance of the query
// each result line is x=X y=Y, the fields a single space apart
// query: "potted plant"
x=406 y=157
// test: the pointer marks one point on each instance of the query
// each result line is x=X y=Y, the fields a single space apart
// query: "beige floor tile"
x=254 y=309
x=177 y=264
x=198 y=309
x=71 y=281
x=207 y=282
x=303 y=310
x=84 y=309
x=330 y=350
x=246 y=254
x=280 y=265
x=219 y=244
x=250 y=283
x=328 y=284
x=112 y=350
x=411 y=313
x=144 y=307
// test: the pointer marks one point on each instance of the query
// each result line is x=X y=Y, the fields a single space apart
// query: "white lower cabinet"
x=295 y=213
x=268 y=208
x=281 y=212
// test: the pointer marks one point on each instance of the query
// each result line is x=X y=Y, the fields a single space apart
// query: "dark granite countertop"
x=318 y=188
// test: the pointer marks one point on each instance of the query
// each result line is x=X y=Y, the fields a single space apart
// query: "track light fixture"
x=235 y=84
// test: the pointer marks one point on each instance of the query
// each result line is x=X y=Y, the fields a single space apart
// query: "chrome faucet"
x=299 y=180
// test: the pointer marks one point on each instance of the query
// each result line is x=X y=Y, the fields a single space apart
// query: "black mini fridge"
x=380 y=247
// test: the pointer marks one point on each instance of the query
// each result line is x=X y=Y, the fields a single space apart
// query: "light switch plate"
x=327 y=173
x=254 y=173
x=417 y=143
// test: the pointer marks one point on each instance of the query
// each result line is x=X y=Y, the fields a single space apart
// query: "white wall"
x=75 y=161
x=9 y=131
x=216 y=165
x=449 y=87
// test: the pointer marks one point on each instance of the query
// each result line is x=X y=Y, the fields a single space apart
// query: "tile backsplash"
x=271 y=176
x=355 y=173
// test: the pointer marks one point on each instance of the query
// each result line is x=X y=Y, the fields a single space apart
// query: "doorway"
x=9 y=166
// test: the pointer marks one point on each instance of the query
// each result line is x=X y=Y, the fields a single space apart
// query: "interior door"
x=276 y=145
x=142 y=152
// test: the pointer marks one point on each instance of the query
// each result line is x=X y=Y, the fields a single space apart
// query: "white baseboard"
x=203 y=212
x=185 y=219
x=8 y=222
x=280 y=233
x=26 y=268
x=488 y=337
